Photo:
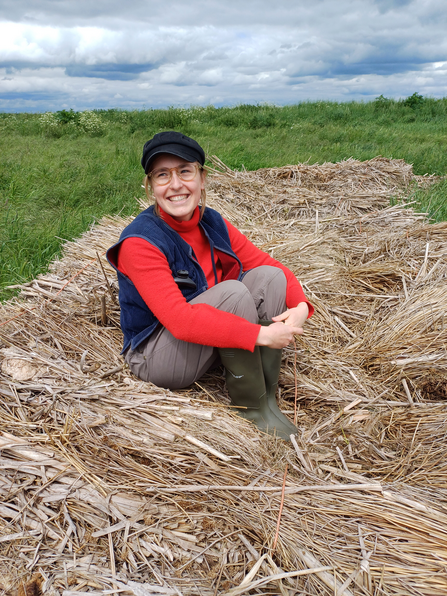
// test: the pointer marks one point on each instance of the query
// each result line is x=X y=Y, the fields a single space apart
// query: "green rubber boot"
x=246 y=385
x=271 y=365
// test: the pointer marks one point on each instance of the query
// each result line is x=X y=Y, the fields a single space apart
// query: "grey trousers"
x=171 y=363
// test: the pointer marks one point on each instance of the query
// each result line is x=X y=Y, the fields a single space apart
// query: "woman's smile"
x=177 y=198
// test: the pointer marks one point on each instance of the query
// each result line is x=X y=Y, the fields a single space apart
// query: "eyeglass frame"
x=196 y=166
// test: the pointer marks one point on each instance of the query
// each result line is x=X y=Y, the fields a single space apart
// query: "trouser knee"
x=236 y=298
x=268 y=287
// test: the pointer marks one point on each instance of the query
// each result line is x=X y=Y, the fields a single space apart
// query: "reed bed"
x=109 y=485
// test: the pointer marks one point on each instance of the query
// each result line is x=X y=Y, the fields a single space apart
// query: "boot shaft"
x=244 y=376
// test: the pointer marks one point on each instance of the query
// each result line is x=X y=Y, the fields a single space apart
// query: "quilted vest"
x=137 y=320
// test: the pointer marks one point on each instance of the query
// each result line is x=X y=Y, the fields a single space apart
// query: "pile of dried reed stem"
x=109 y=485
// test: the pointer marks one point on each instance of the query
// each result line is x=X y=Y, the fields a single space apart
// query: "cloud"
x=98 y=54
x=109 y=71
x=387 y=5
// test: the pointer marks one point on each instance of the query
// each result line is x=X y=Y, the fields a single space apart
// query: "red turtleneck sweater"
x=147 y=267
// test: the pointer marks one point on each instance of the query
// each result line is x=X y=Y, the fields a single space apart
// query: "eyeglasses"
x=163 y=176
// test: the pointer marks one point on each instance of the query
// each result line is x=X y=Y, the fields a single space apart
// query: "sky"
x=136 y=54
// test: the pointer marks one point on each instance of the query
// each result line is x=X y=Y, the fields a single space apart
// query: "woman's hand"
x=276 y=335
x=281 y=332
x=295 y=317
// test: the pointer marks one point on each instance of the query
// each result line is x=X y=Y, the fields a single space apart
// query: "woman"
x=194 y=291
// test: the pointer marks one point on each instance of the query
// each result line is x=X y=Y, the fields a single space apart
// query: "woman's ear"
x=204 y=174
x=147 y=187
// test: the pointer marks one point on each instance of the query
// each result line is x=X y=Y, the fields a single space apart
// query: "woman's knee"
x=265 y=275
x=268 y=287
x=237 y=299
x=230 y=296
x=233 y=288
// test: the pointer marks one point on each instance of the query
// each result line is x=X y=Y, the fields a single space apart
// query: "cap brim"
x=174 y=149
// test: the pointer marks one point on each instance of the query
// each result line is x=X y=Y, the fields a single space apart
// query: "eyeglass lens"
x=164 y=175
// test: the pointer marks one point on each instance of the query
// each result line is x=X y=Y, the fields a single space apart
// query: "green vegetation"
x=61 y=172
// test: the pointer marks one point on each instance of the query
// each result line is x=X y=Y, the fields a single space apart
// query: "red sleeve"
x=148 y=269
x=251 y=256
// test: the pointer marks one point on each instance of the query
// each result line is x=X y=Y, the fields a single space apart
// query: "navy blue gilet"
x=137 y=320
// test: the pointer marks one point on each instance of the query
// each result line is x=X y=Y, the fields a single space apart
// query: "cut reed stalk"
x=112 y=485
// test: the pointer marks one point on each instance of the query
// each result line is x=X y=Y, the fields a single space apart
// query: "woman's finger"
x=277 y=335
x=281 y=317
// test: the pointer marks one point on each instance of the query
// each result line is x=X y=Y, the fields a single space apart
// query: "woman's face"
x=178 y=198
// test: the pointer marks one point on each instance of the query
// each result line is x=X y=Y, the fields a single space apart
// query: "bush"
x=49 y=121
x=51 y=125
x=382 y=102
x=66 y=117
x=91 y=123
x=69 y=122
x=414 y=101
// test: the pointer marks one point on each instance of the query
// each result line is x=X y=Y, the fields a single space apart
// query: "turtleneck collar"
x=181 y=226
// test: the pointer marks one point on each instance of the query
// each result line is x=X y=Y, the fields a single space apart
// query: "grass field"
x=61 y=172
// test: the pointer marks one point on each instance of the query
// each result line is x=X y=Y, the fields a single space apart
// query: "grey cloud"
x=215 y=55
x=13 y=66
x=115 y=14
x=379 y=68
x=109 y=71
x=32 y=96
x=387 y=5
x=57 y=11
x=379 y=65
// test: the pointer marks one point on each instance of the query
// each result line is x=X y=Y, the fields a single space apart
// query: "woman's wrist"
x=303 y=307
x=261 y=339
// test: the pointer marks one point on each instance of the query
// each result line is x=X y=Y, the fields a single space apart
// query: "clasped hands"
x=281 y=332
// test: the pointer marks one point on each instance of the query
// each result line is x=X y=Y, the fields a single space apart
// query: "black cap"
x=174 y=143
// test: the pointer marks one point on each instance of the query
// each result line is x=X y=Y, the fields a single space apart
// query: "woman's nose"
x=175 y=180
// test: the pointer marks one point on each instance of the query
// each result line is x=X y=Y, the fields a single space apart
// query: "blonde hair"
x=150 y=194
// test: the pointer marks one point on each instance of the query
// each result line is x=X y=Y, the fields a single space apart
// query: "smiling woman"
x=195 y=292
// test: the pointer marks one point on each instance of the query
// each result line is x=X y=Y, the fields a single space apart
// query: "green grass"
x=432 y=200
x=62 y=172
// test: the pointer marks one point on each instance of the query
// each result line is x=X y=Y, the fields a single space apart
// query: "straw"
x=112 y=485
